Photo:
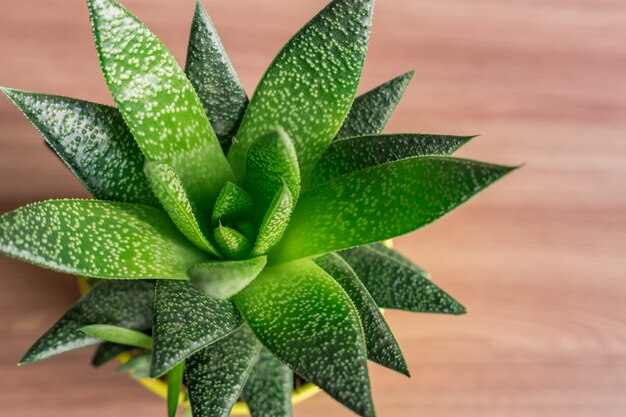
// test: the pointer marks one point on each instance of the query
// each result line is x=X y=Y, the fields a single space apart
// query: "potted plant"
x=231 y=249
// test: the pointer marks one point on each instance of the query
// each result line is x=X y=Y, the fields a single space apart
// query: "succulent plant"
x=233 y=244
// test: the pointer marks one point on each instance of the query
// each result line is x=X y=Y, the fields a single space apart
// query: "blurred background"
x=539 y=259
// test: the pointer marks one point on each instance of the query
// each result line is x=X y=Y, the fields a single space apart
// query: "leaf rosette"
x=236 y=240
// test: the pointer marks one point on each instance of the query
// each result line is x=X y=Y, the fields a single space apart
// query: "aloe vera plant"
x=235 y=244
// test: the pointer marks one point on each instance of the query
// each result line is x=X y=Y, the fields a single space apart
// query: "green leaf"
x=382 y=346
x=171 y=192
x=353 y=154
x=305 y=319
x=158 y=103
x=216 y=375
x=268 y=389
x=174 y=384
x=185 y=321
x=138 y=366
x=381 y=202
x=120 y=303
x=271 y=162
x=232 y=201
x=93 y=141
x=213 y=77
x=396 y=283
x=117 y=334
x=223 y=279
x=232 y=243
x=371 y=111
x=106 y=352
x=275 y=222
x=98 y=239
x=310 y=86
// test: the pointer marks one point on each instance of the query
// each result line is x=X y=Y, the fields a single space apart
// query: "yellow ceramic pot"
x=159 y=387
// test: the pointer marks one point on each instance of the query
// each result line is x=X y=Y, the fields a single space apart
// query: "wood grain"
x=538 y=259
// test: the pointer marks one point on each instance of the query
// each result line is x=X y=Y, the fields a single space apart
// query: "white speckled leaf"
x=271 y=161
x=216 y=375
x=213 y=77
x=232 y=201
x=275 y=222
x=185 y=321
x=158 y=102
x=381 y=202
x=118 y=334
x=98 y=239
x=223 y=279
x=170 y=191
x=371 y=111
x=232 y=244
x=382 y=346
x=94 y=143
x=120 y=303
x=353 y=154
x=305 y=319
x=310 y=86
x=268 y=389
x=396 y=283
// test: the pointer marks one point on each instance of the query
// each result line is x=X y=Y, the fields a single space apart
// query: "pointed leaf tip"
x=309 y=87
x=401 y=197
x=395 y=283
x=98 y=239
x=300 y=314
x=382 y=346
x=158 y=103
x=92 y=141
x=371 y=111
x=214 y=78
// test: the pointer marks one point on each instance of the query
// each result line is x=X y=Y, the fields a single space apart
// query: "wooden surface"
x=539 y=259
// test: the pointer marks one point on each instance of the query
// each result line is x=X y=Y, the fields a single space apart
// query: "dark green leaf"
x=371 y=111
x=271 y=162
x=213 y=77
x=186 y=320
x=381 y=202
x=353 y=154
x=94 y=143
x=170 y=191
x=118 y=334
x=174 y=384
x=107 y=352
x=310 y=86
x=396 y=283
x=216 y=375
x=268 y=389
x=138 y=366
x=120 y=303
x=223 y=279
x=98 y=239
x=275 y=222
x=231 y=202
x=305 y=319
x=158 y=102
x=232 y=243
x=382 y=346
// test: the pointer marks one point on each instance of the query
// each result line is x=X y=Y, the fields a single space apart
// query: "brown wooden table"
x=539 y=259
